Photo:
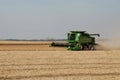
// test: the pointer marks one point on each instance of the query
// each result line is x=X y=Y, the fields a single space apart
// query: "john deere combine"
x=79 y=40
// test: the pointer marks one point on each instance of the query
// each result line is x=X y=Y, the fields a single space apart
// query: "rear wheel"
x=91 y=47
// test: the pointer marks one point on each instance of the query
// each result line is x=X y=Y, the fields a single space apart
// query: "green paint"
x=79 y=40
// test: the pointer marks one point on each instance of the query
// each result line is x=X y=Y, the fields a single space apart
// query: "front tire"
x=81 y=47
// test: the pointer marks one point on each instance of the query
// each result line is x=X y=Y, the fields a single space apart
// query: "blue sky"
x=42 y=19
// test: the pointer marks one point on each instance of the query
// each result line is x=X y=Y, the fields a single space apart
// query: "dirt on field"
x=39 y=61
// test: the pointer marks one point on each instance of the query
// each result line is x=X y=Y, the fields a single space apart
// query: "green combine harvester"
x=79 y=40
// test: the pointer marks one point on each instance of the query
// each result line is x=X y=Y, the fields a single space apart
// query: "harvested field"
x=18 y=62
x=28 y=46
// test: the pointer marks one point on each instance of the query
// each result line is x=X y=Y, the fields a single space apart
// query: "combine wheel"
x=81 y=47
x=91 y=47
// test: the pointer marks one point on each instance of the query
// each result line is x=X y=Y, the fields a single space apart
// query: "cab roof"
x=78 y=31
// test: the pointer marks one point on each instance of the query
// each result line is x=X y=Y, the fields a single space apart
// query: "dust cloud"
x=112 y=43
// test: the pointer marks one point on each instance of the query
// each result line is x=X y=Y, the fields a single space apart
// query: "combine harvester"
x=78 y=40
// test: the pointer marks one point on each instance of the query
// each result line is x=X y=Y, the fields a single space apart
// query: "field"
x=28 y=46
x=39 y=61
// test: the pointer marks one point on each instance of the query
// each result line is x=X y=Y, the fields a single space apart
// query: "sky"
x=53 y=19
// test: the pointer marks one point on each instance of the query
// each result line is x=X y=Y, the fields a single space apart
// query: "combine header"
x=78 y=40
